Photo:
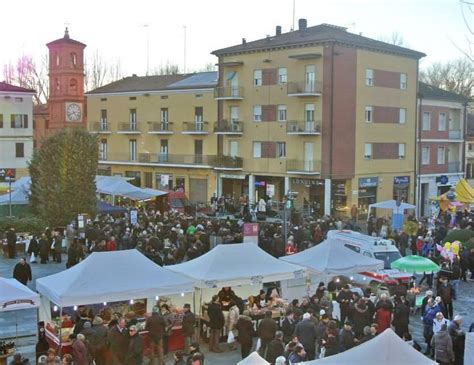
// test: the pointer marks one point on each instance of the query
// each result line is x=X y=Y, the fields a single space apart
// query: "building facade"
x=161 y=131
x=441 y=143
x=16 y=128
x=325 y=113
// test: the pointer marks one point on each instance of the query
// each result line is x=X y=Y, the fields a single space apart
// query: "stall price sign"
x=251 y=233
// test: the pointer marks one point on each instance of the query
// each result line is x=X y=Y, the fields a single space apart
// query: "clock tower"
x=66 y=83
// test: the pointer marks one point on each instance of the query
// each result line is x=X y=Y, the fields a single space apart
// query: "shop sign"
x=232 y=176
x=260 y=184
x=302 y=181
x=443 y=179
x=368 y=182
x=270 y=190
x=401 y=180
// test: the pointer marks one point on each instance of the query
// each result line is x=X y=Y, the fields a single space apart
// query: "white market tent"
x=330 y=257
x=109 y=277
x=14 y=295
x=19 y=196
x=237 y=264
x=391 y=205
x=253 y=359
x=386 y=348
x=118 y=186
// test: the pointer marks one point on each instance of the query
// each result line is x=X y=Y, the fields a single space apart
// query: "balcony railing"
x=169 y=159
x=303 y=167
x=303 y=127
x=229 y=93
x=129 y=128
x=226 y=127
x=455 y=134
x=454 y=166
x=160 y=128
x=99 y=127
x=196 y=127
x=304 y=89
x=228 y=163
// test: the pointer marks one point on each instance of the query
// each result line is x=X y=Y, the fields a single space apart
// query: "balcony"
x=228 y=163
x=229 y=93
x=304 y=89
x=129 y=128
x=233 y=128
x=197 y=127
x=101 y=127
x=303 y=128
x=163 y=159
x=160 y=128
x=301 y=167
x=454 y=167
x=455 y=134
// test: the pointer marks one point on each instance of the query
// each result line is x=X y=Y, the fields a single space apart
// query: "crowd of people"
x=309 y=329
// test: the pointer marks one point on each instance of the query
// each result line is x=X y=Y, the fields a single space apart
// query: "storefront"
x=312 y=190
x=267 y=185
x=401 y=188
x=339 y=196
x=233 y=185
x=367 y=194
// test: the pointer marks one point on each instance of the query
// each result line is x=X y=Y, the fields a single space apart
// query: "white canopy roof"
x=113 y=185
x=330 y=257
x=392 y=204
x=386 y=348
x=14 y=295
x=237 y=264
x=109 y=277
x=253 y=359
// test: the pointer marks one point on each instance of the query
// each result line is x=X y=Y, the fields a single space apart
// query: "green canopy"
x=415 y=264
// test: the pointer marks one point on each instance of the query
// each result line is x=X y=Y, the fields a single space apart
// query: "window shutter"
x=25 y=121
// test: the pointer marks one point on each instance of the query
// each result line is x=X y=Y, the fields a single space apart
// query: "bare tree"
x=210 y=66
x=166 y=69
x=395 y=38
x=25 y=72
x=456 y=76
x=98 y=72
x=467 y=11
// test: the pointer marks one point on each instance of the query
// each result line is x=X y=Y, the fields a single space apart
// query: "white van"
x=375 y=247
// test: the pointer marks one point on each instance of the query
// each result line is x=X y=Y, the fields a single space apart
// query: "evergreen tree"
x=63 y=176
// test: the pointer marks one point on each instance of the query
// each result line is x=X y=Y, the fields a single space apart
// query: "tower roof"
x=65 y=40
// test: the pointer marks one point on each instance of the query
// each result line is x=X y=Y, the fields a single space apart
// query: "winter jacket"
x=288 y=328
x=346 y=340
x=307 y=334
x=438 y=324
x=382 y=318
x=79 y=353
x=233 y=317
x=155 y=325
x=274 y=349
x=446 y=292
x=135 y=350
x=362 y=318
x=430 y=314
x=189 y=320
x=98 y=341
x=443 y=347
x=266 y=329
x=245 y=329
x=216 y=317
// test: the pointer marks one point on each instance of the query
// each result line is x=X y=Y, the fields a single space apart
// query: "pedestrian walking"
x=118 y=338
x=246 y=333
x=22 y=272
x=266 y=332
x=216 y=323
x=135 y=347
x=156 y=326
x=189 y=320
x=443 y=347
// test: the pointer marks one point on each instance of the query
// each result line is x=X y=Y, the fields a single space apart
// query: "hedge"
x=30 y=225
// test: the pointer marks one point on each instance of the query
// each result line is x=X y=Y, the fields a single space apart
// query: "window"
x=199 y=96
x=401 y=150
x=369 y=114
x=403 y=81
x=369 y=77
x=103 y=120
x=282 y=75
x=470 y=146
x=368 y=151
x=234 y=148
x=19 y=121
x=133 y=150
x=257 y=150
x=257 y=113
x=425 y=155
x=148 y=180
x=73 y=59
x=441 y=156
x=442 y=122
x=1 y=120
x=164 y=97
x=133 y=116
x=103 y=99
x=257 y=78
x=19 y=150
x=164 y=115
x=280 y=149
x=309 y=112
x=132 y=98
x=163 y=156
x=403 y=116
x=426 y=125
x=282 y=113
x=19 y=100
x=165 y=181
x=103 y=149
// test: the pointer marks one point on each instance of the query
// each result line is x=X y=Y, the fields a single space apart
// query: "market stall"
x=14 y=296
x=244 y=267
x=398 y=209
x=253 y=359
x=107 y=282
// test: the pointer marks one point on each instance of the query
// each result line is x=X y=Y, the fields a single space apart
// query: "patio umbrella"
x=415 y=264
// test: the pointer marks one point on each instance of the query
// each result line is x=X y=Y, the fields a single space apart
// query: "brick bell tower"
x=66 y=104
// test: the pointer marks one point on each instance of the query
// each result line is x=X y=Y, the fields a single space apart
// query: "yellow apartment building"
x=160 y=131
x=325 y=113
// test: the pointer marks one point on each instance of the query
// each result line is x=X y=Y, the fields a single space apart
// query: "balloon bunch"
x=449 y=250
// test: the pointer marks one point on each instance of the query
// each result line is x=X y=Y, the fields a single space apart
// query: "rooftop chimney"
x=244 y=41
x=278 y=30
x=302 y=24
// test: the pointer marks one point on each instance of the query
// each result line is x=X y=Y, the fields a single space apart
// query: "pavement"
x=22 y=324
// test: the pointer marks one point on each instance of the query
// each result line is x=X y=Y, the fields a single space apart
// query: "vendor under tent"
x=386 y=348
x=253 y=359
x=415 y=264
x=330 y=257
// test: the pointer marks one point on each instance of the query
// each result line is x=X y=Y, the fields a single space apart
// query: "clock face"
x=73 y=112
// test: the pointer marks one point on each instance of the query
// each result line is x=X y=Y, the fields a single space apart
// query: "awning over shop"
x=464 y=192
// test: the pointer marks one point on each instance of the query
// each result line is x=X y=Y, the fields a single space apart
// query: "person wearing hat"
x=307 y=334
x=458 y=338
x=347 y=339
x=155 y=325
x=443 y=346
x=189 y=320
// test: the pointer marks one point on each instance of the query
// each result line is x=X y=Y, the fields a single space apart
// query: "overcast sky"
x=116 y=28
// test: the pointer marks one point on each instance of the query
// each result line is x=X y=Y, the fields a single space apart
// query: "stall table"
x=4 y=357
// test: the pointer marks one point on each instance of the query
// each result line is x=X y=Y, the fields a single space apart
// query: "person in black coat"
x=288 y=326
x=246 y=333
x=22 y=272
x=189 y=320
x=11 y=241
x=135 y=347
x=276 y=348
x=307 y=335
x=401 y=317
x=362 y=317
x=216 y=323
x=33 y=248
x=118 y=338
x=44 y=248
